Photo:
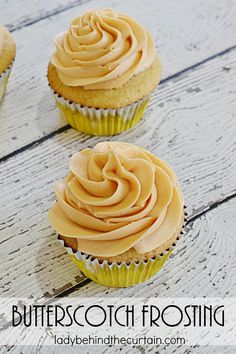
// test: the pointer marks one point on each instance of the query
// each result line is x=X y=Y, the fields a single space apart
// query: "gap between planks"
x=67 y=126
x=47 y=15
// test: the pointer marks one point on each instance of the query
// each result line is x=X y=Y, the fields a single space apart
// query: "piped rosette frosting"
x=117 y=196
x=102 y=49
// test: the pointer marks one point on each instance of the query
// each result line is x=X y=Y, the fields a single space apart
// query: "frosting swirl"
x=117 y=196
x=102 y=49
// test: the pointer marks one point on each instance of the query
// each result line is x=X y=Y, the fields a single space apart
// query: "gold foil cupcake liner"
x=4 y=76
x=116 y=274
x=100 y=121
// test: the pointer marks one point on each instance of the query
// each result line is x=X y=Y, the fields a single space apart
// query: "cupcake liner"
x=4 y=76
x=101 y=121
x=115 y=274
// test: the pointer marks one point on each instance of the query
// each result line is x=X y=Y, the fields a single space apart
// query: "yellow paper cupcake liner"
x=99 y=121
x=117 y=274
x=4 y=76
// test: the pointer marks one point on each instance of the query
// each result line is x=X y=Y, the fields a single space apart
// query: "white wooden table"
x=191 y=122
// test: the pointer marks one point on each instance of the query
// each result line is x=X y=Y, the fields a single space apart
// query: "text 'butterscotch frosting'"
x=117 y=196
x=102 y=49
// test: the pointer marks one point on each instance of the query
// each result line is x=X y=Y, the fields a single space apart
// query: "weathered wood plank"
x=19 y=13
x=193 y=129
x=121 y=350
x=203 y=265
x=172 y=350
x=185 y=35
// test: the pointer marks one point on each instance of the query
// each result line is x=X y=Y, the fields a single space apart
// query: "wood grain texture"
x=185 y=35
x=191 y=129
x=41 y=349
x=15 y=14
x=203 y=265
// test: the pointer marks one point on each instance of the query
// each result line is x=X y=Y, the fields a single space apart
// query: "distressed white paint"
x=192 y=130
x=15 y=14
x=190 y=122
x=121 y=350
x=185 y=34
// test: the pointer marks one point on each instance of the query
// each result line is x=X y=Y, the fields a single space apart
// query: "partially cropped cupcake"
x=103 y=71
x=119 y=213
x=7 y=56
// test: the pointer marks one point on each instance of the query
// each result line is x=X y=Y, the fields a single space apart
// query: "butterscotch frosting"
x=117 y=196
x=102 y=49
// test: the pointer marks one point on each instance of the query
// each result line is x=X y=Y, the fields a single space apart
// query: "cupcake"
x=7 y=56
x=103 y=71
x=118 y=213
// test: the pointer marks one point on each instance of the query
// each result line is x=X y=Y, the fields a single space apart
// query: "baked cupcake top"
x=102 y=49
x=116 y=197
x=7 y=49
